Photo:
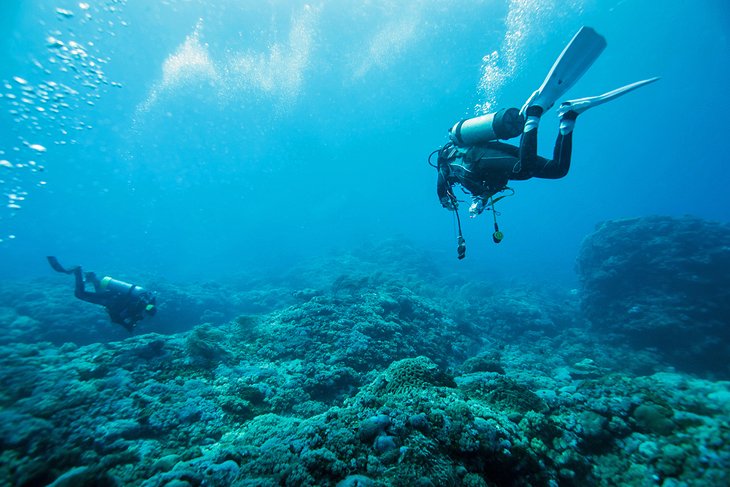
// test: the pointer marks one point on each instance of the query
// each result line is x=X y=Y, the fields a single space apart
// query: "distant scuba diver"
x=126 y=303
x=475 y=160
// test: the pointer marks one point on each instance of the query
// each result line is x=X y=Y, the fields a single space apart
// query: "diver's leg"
x=559 y=166
x=528 y=162
x=79 y=289
x=91 y=277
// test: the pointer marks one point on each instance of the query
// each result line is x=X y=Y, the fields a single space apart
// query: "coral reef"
x=358 y=378
x=662 y=283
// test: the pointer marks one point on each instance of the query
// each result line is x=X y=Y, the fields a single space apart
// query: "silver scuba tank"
x=504 y=124
x=114 y=286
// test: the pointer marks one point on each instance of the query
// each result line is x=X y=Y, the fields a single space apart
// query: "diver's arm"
x=114 y=315
x=443 y=189
x=118 y=312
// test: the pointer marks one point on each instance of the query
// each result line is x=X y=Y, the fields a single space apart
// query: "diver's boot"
x=580 y=105
x=567 y=122
x=532 y=118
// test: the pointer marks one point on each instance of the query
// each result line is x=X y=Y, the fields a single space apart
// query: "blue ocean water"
x=199 y=138
x=263 y=168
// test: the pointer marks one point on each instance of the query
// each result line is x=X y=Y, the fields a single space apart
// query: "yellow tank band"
x=105 y=282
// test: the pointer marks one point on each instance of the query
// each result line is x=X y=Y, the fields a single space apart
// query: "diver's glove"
x=477 y=206
x=447 y=203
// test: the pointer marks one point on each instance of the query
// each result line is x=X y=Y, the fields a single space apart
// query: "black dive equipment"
x=504 y=124
x=460 y=247
x=57 y=265
x=460 y=242
x=497 y=236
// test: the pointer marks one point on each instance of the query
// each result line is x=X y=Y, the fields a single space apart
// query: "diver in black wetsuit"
x=476 y=160
x=484 y=169
x=126 y=303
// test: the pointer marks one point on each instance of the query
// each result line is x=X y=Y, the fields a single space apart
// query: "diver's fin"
x=580 y=105
x=57 y=265
x=573 y=62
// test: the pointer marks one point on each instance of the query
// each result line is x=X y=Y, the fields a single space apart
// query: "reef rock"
x=664 y=283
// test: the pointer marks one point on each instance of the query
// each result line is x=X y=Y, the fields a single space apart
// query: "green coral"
x=412 y=374
x=503 y=392
x=206 y=343
x=654 y=418
x=421 y=458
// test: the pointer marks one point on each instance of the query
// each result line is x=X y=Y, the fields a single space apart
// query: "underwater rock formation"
x=368 y=384
x=141 y=412
x=663 y=283
x=360 y=377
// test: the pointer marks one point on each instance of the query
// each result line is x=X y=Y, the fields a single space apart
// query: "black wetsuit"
x=126 y=303
x=125 y=306
x=485 y=169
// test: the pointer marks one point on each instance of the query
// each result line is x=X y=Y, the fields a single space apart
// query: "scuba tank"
x=138 y=293
x=504 y=124
x=114 y=286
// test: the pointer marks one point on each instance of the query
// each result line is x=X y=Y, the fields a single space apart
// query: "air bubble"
x=53 y=42
x=64 y=13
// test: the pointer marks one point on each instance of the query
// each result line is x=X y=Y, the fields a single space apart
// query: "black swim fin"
x=57 y=266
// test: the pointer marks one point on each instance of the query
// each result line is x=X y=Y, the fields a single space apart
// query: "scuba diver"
x=126 y=303
x=475 y=159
